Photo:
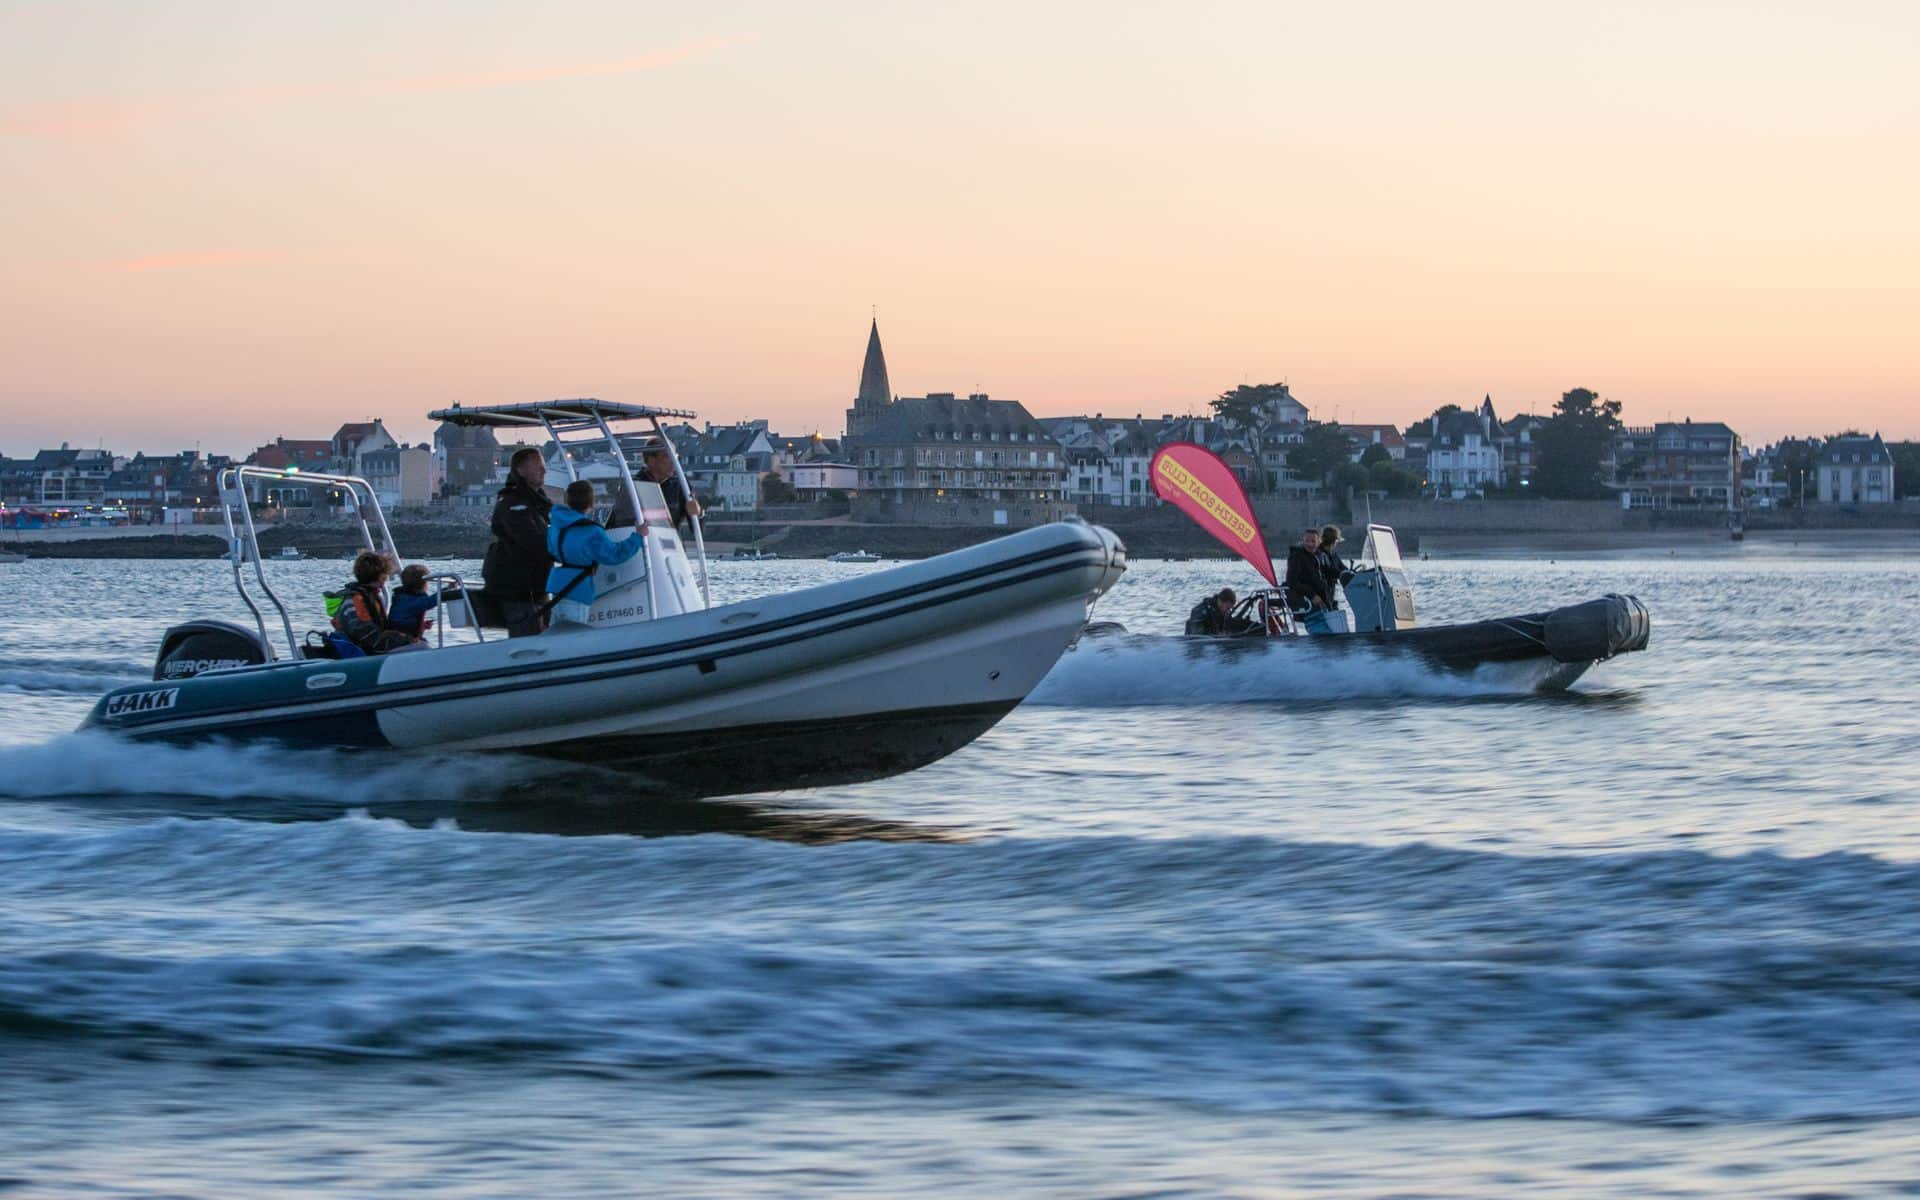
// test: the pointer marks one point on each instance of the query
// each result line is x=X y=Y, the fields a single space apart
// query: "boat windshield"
x=1382 y=548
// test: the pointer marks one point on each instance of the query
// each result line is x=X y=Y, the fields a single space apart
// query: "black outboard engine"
x=199 y=646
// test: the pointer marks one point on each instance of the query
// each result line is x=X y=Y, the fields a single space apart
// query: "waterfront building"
x=299 y=454
x=465 y=456
x=304 y=454
x=1463 y=452
x=355 y=438
x=146 y=485
x=815 y=480
x=1105 y=460
x=1856 y=469
x=1519 y=447
x=401 y=476
x=1387 y=437
x=943 y=447
x=70 y=478
x=1679 y=464
x=791 y=451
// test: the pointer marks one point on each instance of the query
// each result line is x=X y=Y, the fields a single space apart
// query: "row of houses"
x=948 y=449
x=99 y=486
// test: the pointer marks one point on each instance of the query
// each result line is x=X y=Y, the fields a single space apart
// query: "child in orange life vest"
x=362 y=618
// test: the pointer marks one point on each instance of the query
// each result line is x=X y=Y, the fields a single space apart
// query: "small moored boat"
x=854 y=556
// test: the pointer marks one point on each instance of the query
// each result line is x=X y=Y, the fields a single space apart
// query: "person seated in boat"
x=362 y=620
x=1213 y=617
x=1334 y=572
x=580 y=547
x=657 y=467
x=1306 y=587
x=407 y=610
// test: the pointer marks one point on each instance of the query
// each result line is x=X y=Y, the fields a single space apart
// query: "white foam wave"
x=90 y=763
x=1141 y=669
x=80 y=676
x=82 y=683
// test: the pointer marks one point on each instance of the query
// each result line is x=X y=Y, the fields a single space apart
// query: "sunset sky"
x=227 y=221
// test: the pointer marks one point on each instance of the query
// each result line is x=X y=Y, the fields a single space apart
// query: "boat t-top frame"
x=243 y=539
x=587 y=415
x=557 y=417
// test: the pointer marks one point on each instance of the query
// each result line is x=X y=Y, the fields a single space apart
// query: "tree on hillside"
x=1322 y=452
x=1906 y=467
x=1375 y=453
x=1797 y=466
x=1574 y=444
x=1393 y=479
x=775 y=490
x=1245 y=405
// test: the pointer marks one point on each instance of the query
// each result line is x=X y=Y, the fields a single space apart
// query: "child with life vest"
x=580 y=547
x=407 y=611
x=361 y=621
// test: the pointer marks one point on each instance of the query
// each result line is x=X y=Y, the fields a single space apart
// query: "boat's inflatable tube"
x=1597 y=629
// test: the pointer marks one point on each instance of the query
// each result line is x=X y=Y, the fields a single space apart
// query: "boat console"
x=1379 y=595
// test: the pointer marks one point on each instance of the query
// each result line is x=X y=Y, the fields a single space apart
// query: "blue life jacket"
x=579 y=547
x=407 y=610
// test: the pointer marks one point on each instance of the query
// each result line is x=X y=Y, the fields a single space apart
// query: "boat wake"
x=105 y=778
x=1119 y=670
x=94 y=765
x=69 y=676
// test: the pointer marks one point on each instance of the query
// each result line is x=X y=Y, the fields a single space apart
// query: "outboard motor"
x=200 y=646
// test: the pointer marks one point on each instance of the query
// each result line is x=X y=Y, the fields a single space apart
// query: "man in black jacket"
x=1334 y=571
x=1306 y=586
x=517 y=562
x=656 y=467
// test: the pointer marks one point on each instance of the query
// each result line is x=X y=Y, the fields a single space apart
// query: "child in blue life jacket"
x=407 y=612
x=580 y=547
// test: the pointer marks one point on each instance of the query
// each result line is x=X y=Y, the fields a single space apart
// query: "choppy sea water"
x=1179 y=926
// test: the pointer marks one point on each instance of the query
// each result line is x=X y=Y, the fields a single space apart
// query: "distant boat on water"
x=8 y=556
x=853 y=556
x=289 y=554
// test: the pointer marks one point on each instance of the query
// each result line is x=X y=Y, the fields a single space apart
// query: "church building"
x=947 y=447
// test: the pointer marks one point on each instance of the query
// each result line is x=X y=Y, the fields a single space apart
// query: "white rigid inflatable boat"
x=840 y=683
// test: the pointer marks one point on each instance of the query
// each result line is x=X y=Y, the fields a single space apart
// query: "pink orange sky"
x=230 y=221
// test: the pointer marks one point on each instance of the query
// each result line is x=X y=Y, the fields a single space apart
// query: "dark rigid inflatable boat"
x=1541 y=651
x=1576 y=636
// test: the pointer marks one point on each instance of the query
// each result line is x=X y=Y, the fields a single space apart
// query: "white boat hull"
x=850 y=681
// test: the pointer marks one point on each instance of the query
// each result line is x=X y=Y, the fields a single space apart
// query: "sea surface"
x=1179 y=926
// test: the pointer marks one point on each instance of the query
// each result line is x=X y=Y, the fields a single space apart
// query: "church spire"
x=875 y=392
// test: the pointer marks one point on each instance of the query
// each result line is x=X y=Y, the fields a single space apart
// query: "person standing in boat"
x=580 y=547
x=517 y=561
x=657 y=467
x=1307 y=589
x=1334 y=572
